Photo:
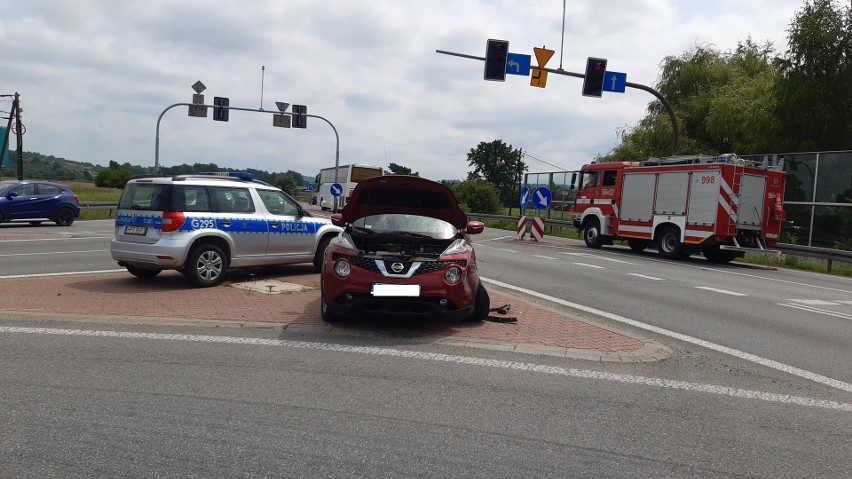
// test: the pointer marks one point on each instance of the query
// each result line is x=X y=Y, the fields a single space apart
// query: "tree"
x=477 y=196
x=115 y=176
x=400 y=170
x=814 y=91
x=496 y=163
x=287 y=183
x=723 y=102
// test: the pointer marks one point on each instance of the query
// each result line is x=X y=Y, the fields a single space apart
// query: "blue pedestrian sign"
x=336 y=190
x=525 y=196
x=541 y=197
x=517 y=64
x=615 y=82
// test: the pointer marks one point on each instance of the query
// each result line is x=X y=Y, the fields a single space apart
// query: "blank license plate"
x=410 y=290
x=135 y=230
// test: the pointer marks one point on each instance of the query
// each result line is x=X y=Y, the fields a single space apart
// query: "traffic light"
x=594 y=79
x=219 y=113
x=496 y=54
x=299 y=118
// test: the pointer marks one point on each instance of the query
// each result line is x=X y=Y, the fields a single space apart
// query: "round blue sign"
x=525 y=196
x=541 y=197
x=336 y=190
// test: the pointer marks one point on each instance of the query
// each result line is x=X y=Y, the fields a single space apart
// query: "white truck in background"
x=348 y=177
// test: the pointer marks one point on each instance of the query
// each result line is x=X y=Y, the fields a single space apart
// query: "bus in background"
x=348 y=176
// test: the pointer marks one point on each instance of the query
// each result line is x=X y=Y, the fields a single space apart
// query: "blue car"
x=37 y=201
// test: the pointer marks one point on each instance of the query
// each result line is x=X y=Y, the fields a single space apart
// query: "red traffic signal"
x=594 y=78
x=496 y=55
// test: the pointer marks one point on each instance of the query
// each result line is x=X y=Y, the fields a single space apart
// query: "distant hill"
x=41 y=167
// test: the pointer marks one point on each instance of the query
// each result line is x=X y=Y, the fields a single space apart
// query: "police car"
x=205 y=224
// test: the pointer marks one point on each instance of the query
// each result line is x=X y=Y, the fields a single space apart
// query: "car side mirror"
x=337 y=220
x=475 y=227
x=11 y=194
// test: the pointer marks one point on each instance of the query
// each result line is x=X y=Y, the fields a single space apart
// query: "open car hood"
x=403 y=194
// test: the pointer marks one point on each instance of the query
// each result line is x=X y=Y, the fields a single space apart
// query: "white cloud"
x=94 y=76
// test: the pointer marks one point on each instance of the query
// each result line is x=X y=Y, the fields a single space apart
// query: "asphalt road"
x=798 y=318
x=237 y=403
x=119 y=400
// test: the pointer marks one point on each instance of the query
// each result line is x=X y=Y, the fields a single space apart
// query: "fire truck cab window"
x=609 y=178
x=590 y=179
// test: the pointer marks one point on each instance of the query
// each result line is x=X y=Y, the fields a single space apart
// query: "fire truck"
x=721 y=206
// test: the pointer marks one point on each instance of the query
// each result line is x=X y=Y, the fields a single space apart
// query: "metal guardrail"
x=830 y=255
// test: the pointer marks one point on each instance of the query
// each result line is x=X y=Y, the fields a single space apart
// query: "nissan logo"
x=397 y=267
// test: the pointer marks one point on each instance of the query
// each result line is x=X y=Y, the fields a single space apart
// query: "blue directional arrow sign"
x=336 y=189
x=517 y=64
x=525 y=196
x=615 y=82
x=311 y=188
x=541 y=197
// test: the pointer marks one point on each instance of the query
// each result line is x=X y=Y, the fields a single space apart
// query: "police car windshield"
x=407 y=224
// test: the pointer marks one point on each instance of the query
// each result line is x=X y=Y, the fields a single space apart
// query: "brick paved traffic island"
x=289 y=296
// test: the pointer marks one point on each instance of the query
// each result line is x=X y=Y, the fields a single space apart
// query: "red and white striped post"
x=522 y=227
x=537 y=229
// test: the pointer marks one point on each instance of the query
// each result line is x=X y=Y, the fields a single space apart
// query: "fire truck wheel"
x=592 y=233
x=714 y=254
x=637 y=244
x=669 y=243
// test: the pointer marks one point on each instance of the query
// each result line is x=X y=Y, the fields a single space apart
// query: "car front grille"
x=372 y=266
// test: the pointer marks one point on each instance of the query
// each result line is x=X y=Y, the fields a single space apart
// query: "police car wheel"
x=207 y=266
x=319 y=257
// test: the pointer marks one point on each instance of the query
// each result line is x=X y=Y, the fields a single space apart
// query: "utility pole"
x=516 y=180
x=20 y=135
x=15 y=115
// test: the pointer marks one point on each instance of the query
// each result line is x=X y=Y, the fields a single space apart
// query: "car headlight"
x=456 y=247
x=345 y=241
x=453 y=274
x=342 y=268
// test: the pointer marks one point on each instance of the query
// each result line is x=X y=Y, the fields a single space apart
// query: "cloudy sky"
x=94 y=76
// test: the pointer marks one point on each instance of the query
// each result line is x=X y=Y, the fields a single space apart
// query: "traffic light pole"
x=638 y=86
x=157 y=143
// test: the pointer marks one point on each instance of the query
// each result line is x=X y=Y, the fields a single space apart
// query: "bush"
x=478 y=196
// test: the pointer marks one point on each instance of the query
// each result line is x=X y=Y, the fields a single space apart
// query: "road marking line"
x=451 y=358
x=52 y=239
x=644 y=276
x=765 y=278
x=543 y=257
x=54 y=252
x=835 y=383
x=70 y=273
x=590 y=265
x=817 y=310
x=723 y=291
x=813 y=302
x=494 y=239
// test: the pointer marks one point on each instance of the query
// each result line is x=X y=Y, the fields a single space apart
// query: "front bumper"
x=352 y=295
